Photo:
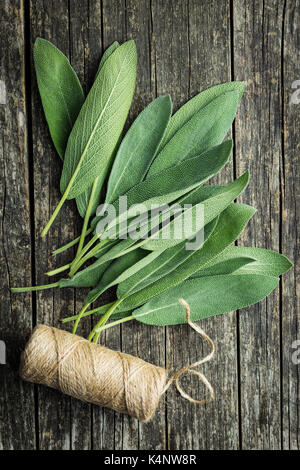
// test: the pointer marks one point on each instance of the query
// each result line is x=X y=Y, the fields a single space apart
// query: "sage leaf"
x=83 y=200
x=203 y=131
x=173 y=182
x=206 y=296
x=120 y=270
x=211 y=207
x=120 y=265
x=89 y=276
x=160 y=266
x=106 y=55
x=210 y=228
x=138 y=148
x=224 y=267
x=100 y=122
x=267 y=262
x=194 y=105
x=89 y=279
x=94 y=191
x=98 y=127
x=61 y=93
x=230 y=224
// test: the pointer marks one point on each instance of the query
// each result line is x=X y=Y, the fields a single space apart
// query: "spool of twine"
x=98 y=375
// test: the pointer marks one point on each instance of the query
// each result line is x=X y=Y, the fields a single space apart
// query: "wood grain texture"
x=183 y=47
x=257 y=60
x=290 y=225
x=17 y=412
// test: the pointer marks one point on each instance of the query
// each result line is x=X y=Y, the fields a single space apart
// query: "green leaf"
x=210 y=228
x=100 y=122
x=106 y=55
x=120 y=270
x=91 y=275
x=194 y=105
x=229 y=266
x=204 y=130
x=138 y=148
x=61 y=93
x=211 y=208
x=119 y=265
x=267 y=262
x=173 y=182
x=206 y=296
x=185 y=263
x=82 y=201
x=194 y=196
x=89 y=278
x=201 y=193
x=160 y=266
x=116 y=271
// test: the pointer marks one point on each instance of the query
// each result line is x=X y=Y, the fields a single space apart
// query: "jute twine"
x=98 y=375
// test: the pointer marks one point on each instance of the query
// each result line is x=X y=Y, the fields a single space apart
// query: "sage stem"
x=94 y=333
x=58 y=270
x=86 y=314
x=86 y=218
x=71 y=243
x=81 y=255
x=34 y=288
x=85 y=258
x=79 y=317
x=115 y=323
x=60 y=204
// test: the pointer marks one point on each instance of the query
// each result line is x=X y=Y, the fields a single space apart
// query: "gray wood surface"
x=17 y=415
x=257 y=43
x=290 y=213
x=183 y=48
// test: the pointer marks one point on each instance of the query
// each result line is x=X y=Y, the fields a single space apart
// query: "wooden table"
x=183 y=47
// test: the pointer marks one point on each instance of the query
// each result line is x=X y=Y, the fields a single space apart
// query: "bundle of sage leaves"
x=162 y=160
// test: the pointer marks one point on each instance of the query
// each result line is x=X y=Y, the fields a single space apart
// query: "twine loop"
x=189 y=369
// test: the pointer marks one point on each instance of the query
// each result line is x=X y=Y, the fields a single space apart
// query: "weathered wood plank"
x=257 y=59
x=192 y=47
x=50 y=20
x=17 y=414
x=290 y=226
